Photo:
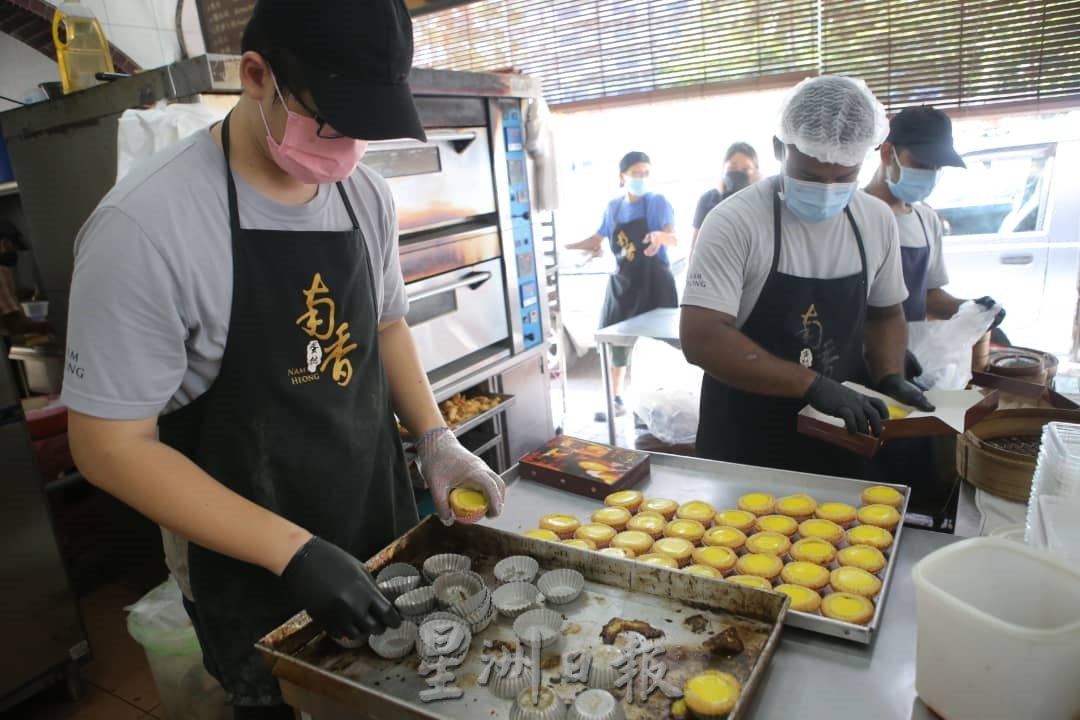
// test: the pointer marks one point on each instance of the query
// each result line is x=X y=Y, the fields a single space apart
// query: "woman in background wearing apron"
x=639 y=225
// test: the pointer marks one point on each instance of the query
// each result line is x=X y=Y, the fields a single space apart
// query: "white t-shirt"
x=912 y=235
x=151 y=294
x=734 y=251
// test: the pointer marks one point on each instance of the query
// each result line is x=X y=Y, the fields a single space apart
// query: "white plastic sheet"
x=943 y=347
x=668 y=391
x=141 y=133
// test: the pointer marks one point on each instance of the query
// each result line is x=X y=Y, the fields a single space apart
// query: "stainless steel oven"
x=458 y=313
x=439 y=183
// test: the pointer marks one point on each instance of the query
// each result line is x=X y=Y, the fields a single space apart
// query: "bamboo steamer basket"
x=1020 y=364
x=1001 y=472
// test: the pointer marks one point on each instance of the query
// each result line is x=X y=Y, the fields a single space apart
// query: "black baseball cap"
x=631 y=159
x=927 y=133
x=354 y=56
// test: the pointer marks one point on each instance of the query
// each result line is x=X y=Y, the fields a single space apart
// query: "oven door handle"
x=472 y=281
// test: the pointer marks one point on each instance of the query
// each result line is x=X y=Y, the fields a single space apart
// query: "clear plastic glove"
x=895 y=386
x=445 y=465
x=337 y=591
x=860 y=413
x=988 y=302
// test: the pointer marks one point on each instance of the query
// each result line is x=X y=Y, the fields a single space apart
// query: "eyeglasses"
x=325 y=130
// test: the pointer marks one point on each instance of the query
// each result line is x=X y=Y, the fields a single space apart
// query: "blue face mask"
x=915 y=184
x=636 y=186
x=814 y=202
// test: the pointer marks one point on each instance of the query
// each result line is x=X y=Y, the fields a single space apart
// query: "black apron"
x=916 y=262
x=640 y=283
x=813 y=321
x=299 y=421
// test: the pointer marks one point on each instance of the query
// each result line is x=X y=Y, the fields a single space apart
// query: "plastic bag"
x=943 y=347
x=160 y=623
x=668 y=391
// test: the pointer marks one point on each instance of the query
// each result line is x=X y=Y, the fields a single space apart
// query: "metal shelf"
x=487 y=445
x=9 y=188
x=505 y=401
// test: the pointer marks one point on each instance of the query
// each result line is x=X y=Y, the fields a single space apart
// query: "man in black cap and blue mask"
x=919 y=145
x=794 y=287
x=237 y=348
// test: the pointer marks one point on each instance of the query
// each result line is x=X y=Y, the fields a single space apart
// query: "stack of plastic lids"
x=1053 y=517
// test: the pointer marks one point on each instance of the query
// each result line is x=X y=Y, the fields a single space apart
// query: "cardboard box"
x=583 y=467
x=956 y=411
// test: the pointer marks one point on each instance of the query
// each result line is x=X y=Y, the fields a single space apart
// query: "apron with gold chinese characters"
x=298 y=421
x=641 y=283
x=816 y=322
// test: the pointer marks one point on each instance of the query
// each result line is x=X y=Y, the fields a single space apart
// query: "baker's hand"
x=897 y=387
x=446 y=465
x=337 y=591
x=988 y=302
x=656 y=240
x=860 y=413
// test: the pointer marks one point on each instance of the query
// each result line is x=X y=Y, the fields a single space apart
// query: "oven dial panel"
x=524 y=250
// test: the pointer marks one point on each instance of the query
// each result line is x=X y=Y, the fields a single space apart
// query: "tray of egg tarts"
x=828 y=549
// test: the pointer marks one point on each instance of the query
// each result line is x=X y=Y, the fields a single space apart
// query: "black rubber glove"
x=859 y=412
x=988 y=302
x=912 y=366
x=338 y=591
x=897 y=387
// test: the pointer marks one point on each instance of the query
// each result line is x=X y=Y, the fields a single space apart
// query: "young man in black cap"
x=237 y=345
x=918 y=146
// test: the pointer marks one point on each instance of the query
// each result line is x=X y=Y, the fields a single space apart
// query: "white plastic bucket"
x=998 y=632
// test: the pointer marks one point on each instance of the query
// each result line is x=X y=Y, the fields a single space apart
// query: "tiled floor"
x=118 y=682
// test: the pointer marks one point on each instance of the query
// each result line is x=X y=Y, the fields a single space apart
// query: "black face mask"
x=735 y=181
x=8 y=259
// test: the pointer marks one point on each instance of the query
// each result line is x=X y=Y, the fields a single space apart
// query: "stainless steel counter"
x=811 y=676
x=659 y=324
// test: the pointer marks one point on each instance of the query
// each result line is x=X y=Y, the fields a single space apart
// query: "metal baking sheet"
x=505 y=401
x=720 y=484
x=304 y=658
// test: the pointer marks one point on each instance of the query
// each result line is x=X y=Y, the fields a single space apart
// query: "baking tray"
x=505 y=401
x=304 y=658
x=719 y=484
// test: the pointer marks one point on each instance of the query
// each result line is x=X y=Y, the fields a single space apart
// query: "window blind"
x=584 y=50
x=951 y=53
x=955 y=54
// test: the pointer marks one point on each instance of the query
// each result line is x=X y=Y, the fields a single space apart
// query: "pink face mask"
x=306 y=156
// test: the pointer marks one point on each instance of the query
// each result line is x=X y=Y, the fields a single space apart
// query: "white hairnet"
x=833 y=119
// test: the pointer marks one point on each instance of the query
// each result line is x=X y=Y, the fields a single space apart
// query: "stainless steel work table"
x=811 y=676
x=660 y=324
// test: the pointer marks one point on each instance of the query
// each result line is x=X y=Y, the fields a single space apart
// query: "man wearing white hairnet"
x=795 y=286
